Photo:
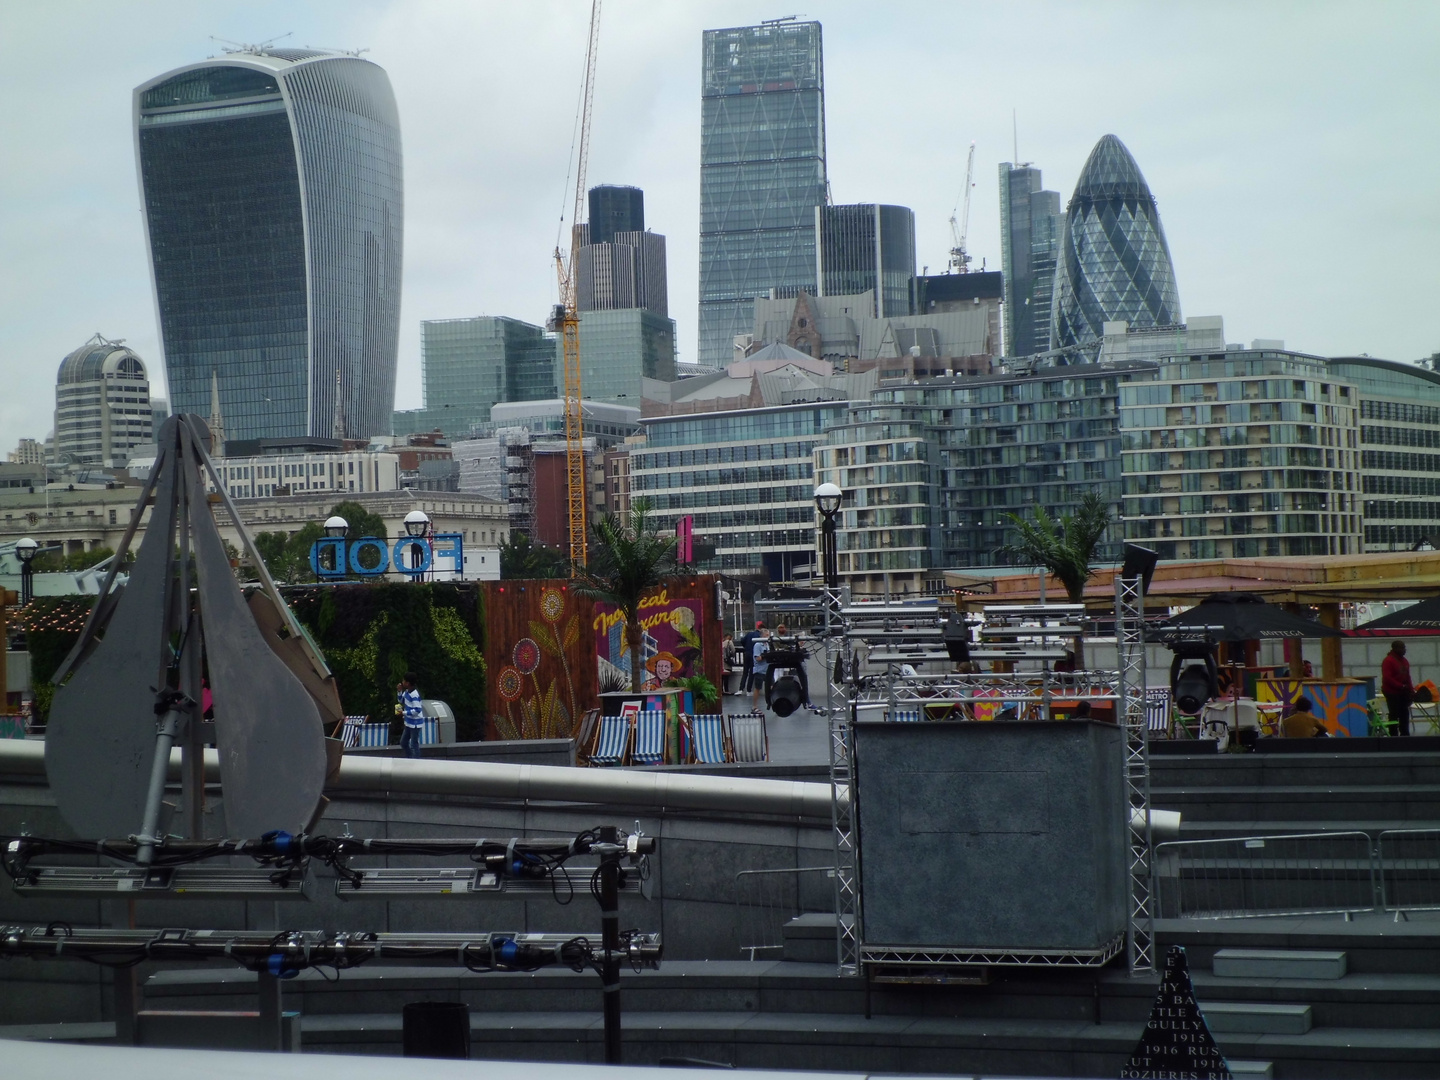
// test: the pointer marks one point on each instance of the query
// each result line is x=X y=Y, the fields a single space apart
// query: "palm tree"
x=1063 y=546
x=627 y=559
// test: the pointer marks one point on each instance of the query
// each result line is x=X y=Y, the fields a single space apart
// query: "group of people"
x=1396 y=687
x=753 y=651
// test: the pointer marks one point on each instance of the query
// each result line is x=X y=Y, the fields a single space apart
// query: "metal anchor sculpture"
x=135 y=677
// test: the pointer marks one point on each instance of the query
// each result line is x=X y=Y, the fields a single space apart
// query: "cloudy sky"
x=1292 y=147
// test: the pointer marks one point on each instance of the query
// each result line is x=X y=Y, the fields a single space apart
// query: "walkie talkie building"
x=1114 y=263
x=272 y=191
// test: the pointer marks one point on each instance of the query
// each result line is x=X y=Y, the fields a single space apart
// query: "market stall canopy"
x=1419 y=619
x=1242 y=617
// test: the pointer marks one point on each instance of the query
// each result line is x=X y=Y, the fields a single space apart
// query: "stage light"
x=1139 y=563
x=957 y=638
x=786 y=695
x=1193 y=675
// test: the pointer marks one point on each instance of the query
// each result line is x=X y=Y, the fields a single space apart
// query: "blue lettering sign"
x=369 y=542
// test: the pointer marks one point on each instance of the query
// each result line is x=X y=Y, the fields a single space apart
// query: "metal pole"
x=610 y=939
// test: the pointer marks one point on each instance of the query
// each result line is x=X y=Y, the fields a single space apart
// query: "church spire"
x=217 y=422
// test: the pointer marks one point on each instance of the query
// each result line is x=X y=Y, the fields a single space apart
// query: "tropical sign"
x=670 y=641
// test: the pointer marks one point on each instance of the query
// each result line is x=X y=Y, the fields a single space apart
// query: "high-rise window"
x=762 y=173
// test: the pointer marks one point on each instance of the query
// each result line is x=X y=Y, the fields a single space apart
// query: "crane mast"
x=959 y=257
x=567 y=320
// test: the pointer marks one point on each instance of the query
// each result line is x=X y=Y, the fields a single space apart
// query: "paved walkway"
x=802 y=738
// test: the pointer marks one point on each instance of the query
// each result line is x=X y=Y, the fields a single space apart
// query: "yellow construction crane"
x=567 y=319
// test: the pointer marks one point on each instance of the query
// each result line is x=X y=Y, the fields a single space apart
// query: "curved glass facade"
x=272 y=190
x=1114 y=263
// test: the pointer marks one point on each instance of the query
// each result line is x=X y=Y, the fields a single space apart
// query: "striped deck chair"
x=612 y=744
x=585 y=735
x=987 y=704
x=748 y=738
x=649 y=738
x=707 y=734
x=903 y=716
x=349 y=733
x=1157 y=710
x=377 y=734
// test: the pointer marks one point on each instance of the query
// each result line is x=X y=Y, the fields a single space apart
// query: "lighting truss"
x=839 y=669
x=1130 y=641
x=929 y=957
x=247 y=883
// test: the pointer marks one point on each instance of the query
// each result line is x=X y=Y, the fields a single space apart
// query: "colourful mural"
x=1341 y=706
x=539 y=698
x=670 y=635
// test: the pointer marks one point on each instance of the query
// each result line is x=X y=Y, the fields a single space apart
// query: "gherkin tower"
x=1114 y=262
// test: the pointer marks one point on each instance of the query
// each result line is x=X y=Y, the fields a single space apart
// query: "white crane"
x=959 y=257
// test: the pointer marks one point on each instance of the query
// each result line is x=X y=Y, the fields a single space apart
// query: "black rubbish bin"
x=437 y=1029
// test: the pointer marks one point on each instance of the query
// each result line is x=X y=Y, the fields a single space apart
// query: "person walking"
x=1395 y=684
x=759 y=666
x=412 y=713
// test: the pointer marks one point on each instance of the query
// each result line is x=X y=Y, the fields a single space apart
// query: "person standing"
x=747 y=657
x=1395 y=684
x=413 y=713
x=759 y=666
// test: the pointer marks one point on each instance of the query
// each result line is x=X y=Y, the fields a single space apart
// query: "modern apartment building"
x=471 y=365
x=271 y=187
x=762 y=172
x=102 y=405
x=1031 y=222
x=747 y=477
x=867 y=247
x=1241 y=453
x=1399 y=450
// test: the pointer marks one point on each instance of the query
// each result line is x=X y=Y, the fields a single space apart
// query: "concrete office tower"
x=272 y=192
x=470 y=365
x=102 y=405
x=762 y=173
x=619 y=264
x=867 y=246
x=1030 y=226
x=1114 y=263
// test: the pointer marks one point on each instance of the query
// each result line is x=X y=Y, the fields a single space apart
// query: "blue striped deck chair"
x=349 y=733
x=903 y=716
x=1157 y=710
x=708 y=739
x=748 y=738
x=377 y=734
x=430 y=731
x=649 y=738
x=612 y=746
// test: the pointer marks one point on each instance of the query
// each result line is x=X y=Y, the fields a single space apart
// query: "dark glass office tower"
x=868 y=246
x=762 y=173
x=615 y=209
x=1030 y=226
x=1114 y=263
x=272 y=192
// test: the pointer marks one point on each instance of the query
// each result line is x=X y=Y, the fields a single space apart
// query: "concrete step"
x=1409 y=802
x=810 y=939
x=1255 y=1018
x=1251 y=1070
x=1279 y=964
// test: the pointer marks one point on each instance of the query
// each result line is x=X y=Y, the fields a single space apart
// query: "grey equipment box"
x=992 y=838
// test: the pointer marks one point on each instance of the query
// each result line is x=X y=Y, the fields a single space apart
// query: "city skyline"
x=1264 y=170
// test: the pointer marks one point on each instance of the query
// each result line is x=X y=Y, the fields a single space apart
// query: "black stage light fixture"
x=1139 y=563
x=786 y=695
x=957 y=638
x=1194 y=678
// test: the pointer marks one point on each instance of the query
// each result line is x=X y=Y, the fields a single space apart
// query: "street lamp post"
x=25 y=549
x=336 y=527
x=417 y=525
x=827 y=499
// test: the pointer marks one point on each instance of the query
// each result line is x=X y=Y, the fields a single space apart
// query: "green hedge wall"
x=371 y=634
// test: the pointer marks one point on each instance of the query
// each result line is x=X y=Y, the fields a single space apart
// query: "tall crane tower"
x=566 y=318
x=959 y=257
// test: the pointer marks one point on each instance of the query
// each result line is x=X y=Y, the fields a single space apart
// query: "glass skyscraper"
x=272 y=191
x=1030 y=226
x=762 y=173
x=470 y=365
x=868 y=246
x=1114 y=262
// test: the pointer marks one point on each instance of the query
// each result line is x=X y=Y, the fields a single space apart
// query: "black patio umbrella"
x=1241 y=617
x=1415 y=621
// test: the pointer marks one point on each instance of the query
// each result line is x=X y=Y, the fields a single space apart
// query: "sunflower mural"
x=544 y=693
